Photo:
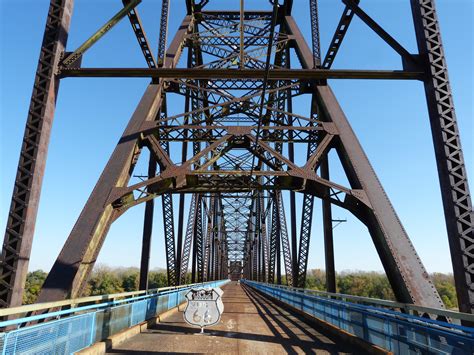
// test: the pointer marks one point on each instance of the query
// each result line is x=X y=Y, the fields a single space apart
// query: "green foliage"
x=34 y=281
x=105 y=280
x=366 y=284
x=130 y=279
x=157 y=279
x=376 y=285
x=445 y=286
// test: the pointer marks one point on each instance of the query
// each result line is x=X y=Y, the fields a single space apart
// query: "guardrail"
x=408 y=308
x=79 y=327
x=394 y=331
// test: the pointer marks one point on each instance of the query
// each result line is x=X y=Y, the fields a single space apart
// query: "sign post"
x=204 y=307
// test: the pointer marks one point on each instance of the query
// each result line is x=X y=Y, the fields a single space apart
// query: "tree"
x=130 y=280
x=104 y=282
x=34 y=282
x=157 y=279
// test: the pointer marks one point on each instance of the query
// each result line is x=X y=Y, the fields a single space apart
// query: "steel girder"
x=27 y=189
x=447 y=146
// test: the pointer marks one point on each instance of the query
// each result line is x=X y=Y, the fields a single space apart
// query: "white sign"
x=204 y=307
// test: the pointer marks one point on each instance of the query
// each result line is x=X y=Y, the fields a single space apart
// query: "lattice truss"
x=222 y=126
x=235 y=156
x=225 y=119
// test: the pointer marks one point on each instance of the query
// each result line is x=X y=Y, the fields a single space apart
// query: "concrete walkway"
x=250 y=325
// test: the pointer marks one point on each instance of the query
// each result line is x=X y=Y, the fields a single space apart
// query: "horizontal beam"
x=275 y=74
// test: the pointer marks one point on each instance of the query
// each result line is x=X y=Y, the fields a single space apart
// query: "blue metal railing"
x=394 y=331
x=83 y=326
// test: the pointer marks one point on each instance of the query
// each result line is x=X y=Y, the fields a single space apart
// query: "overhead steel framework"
x=229 y=157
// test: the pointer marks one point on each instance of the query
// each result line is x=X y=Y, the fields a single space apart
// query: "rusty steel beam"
x=72 y=58
x=449 y=155
x=338 y=37
x=273 y=74
x=328 y=233
x=147 y=232
x=142 y=39
x=29 y=177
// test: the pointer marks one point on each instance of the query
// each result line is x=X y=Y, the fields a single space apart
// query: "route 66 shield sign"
x=204 y=307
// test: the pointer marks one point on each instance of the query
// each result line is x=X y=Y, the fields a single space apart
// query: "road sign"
x=204 y=307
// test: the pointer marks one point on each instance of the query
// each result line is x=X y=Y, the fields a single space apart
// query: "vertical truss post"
x=291 y=155
x=274 y=240
x=278 y=250
x=208 y=241
x=28 y=181
x=308 y=200
x=199 y=241
x=147 y=232
x=308 y=209
x=285 y=244
x=265 y=244
x=449 y=156
x=167 y=199
x=328 y=231
x=189 y=238
x=194 y=257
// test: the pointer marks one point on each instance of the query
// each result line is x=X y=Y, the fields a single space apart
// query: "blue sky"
x=389 y=118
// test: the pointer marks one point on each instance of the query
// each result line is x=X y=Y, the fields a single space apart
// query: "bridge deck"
x=250 y=324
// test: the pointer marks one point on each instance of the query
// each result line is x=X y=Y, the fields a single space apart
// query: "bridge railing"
x=395 y=331
x=408 y=308
x=65 y=331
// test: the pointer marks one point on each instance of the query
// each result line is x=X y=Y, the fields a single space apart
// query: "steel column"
x=328 y=232
x=29 y=177
x=449 y=156
x=147 y=232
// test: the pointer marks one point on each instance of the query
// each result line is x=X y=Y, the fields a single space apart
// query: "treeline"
x=376 y=285
x=106 y=280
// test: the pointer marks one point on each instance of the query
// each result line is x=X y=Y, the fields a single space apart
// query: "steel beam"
x=29 y=177
x=72 y=58
x=142 y=39
x=147 y=232
x=338 y=37
x=273 y=74
x=449 y=155
x=328 y=232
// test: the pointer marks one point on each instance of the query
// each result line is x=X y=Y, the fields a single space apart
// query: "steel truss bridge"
x=236 y=147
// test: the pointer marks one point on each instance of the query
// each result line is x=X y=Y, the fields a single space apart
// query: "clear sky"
x=389 y=118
